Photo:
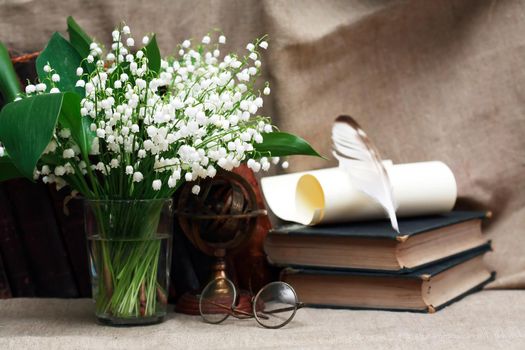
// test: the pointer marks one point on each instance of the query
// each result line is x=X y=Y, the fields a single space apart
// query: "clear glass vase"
x=130 y=257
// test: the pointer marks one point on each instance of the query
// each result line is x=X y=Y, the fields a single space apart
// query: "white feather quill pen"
x=359 y=157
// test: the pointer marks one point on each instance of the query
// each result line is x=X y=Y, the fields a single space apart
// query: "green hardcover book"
x=424 y=290
x=374 y=245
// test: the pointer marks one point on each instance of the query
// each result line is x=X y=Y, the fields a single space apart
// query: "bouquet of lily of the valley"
x=125 y=128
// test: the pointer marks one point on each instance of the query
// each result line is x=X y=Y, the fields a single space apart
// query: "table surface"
x=489 y=319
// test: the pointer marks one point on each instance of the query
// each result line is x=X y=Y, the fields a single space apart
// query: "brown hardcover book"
x=45 y=251
x=375 y=245
x=424 y=290
x=12 y=250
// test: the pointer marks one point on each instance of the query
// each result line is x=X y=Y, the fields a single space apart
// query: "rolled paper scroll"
x=327 y=195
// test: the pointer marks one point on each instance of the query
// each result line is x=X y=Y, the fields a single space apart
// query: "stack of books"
x=431 y=263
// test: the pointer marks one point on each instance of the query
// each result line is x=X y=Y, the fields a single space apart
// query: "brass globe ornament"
x=219 y=220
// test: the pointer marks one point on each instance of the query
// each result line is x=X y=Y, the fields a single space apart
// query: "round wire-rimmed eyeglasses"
x=274 y=306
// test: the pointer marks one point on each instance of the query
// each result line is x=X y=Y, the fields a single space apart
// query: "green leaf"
x=26 y=127
x=80 y=41
x=64 y=59
x=78 y=37
x=153 y=54
x=8 y=170
x=9 y=84
x=79 y=126
x=280 y=144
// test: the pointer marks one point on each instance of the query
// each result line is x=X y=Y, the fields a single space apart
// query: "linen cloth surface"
x=486 y=320
x=428 y=80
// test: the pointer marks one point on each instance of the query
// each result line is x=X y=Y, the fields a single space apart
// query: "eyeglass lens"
x=275 y=305
x=217 y=300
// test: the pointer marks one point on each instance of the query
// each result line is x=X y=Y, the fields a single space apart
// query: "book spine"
x=12 y=249
x=70 y=218
x=46 y=254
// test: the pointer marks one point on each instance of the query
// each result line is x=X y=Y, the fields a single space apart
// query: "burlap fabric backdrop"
x=427 y=79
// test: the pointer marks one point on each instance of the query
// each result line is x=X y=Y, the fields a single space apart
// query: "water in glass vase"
x=130 y=256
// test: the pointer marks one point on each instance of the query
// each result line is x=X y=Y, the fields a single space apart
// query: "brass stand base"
x=188 y=304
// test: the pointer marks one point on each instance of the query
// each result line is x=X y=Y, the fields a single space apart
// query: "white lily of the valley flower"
x=137 y=176
x=156 y=185
x=30 y=89
x=68 y=153
x=195 y=189
x=197 y=114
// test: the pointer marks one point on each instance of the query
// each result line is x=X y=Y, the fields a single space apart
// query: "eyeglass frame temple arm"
x=297 y=306
x=234 y=310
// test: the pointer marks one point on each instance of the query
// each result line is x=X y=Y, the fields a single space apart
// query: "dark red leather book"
x=70 y=219
x=12 y=250
x=45 y=250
